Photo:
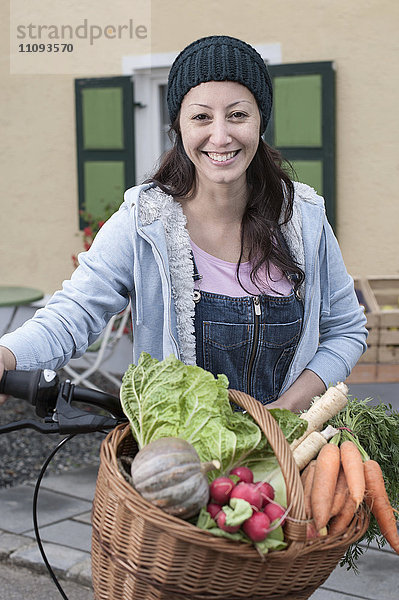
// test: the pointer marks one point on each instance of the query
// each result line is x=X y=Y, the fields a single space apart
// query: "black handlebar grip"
x=20 y=384
x=100 y=399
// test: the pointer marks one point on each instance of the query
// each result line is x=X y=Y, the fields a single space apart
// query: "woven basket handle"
x=283 y=453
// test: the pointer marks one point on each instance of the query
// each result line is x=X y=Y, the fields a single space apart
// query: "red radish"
x=213 y=509
x=274 y=511
x=220 y=490
x=221 y=521
x=257 y=526
x=266 y=491
x=244 y=473
x=248 y=492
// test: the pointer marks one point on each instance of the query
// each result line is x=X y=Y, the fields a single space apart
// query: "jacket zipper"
x=255 y=341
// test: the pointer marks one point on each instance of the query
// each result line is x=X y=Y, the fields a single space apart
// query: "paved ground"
x=21 y=583
x=64 y=517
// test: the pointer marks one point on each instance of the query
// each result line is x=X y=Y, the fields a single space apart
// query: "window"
x=105 y=142
x=302 y=126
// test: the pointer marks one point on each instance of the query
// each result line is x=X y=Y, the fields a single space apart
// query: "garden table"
x=16 y=296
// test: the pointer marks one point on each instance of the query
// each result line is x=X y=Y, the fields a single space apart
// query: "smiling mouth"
x=222 y=156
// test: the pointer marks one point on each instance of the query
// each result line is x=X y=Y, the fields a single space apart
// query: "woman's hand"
x=299 y=396
x=7 y=361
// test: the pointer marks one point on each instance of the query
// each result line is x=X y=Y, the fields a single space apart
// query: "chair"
x=101 y=351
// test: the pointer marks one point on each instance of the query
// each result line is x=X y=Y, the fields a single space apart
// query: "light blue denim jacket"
x=143 y=253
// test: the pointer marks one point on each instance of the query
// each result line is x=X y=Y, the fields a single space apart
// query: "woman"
x=273 y=306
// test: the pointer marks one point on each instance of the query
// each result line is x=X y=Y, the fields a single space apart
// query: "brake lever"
x=71 y=419
x=30 y=424
x=65 y=419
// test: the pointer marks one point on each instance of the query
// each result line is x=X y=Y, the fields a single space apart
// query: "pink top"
x=219 y=277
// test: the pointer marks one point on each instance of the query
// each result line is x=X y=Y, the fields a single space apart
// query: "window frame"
x=147 y=119
x=126 y=155
x=326 y=153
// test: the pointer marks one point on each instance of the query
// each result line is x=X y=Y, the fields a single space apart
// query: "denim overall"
x=252 y=339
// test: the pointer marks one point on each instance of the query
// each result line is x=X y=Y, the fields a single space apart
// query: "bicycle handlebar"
x=21 y=384
x=53 y=399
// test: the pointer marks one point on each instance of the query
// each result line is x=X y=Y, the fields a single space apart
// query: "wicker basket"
x=139 y=552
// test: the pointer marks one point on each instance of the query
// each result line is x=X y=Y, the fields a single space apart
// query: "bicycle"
x=54 y=405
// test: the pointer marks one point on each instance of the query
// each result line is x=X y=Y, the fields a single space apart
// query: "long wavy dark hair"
x=269 y=205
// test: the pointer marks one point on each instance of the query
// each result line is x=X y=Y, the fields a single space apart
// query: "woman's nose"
x=220 y=132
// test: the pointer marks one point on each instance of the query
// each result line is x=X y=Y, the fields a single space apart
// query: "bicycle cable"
x=35 y=520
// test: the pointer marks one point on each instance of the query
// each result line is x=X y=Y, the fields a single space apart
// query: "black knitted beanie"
x=220 y=58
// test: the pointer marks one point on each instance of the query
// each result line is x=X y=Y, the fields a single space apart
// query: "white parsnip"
x=311 y=446
x=328 y=433
x=307 y=450
x=323 y=408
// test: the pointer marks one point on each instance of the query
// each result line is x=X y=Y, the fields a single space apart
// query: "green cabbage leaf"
x=168 y=398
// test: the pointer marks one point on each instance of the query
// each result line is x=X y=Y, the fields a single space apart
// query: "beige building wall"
x=39 y=220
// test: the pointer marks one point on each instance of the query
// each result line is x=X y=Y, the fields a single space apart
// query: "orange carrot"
x=312 y=533
x=352 y=463
x=305 y=473
x=324 y=484
x=377 y=500
x=339 y=523
x=340 y=494
x=307 y=487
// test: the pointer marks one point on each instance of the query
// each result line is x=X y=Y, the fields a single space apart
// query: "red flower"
x=88 y=231
x=100 y=224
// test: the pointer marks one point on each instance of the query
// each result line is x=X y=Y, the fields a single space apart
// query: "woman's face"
x=220 y=129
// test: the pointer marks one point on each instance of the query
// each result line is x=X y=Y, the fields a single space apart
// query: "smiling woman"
x=220 y=127
x=228 y=263
x=243 y=211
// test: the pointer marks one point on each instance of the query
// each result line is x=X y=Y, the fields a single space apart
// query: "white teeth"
x=221 y=157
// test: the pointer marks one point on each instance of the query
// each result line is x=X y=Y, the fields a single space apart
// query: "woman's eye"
x=238 y=115
x=200 y=117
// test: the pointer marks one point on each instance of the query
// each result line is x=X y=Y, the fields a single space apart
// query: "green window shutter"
x=105 y=142
x=302 y=126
